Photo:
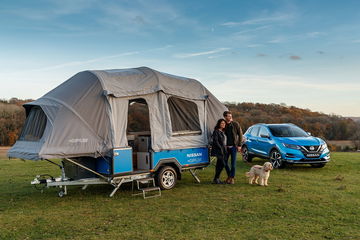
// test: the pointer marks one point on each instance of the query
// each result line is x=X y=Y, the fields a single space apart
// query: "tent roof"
x=144 y=80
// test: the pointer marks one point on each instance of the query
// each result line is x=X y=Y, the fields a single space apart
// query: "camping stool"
x=144 y=186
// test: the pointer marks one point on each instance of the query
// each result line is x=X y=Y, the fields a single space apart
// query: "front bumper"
x=307 y=161
x=294 y=156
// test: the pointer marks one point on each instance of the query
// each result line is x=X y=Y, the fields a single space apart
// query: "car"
x=284 y=144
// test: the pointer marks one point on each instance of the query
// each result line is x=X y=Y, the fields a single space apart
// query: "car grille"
x=312 y=149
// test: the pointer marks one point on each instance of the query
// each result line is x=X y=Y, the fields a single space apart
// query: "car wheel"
x=318 y=165
x=276 y=159
x=246 y=156
x=166 y=178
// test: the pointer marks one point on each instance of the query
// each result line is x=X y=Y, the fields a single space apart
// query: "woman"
x=218 y=149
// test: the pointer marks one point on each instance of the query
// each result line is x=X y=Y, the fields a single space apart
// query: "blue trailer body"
x=122 y=161
x=185 y=157
x=103 y=165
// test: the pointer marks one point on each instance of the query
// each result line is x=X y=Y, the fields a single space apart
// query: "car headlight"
x=292 y=146
x=323 y=147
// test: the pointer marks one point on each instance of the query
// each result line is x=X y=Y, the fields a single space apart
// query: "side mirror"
x=265 y=136
x=309 y=133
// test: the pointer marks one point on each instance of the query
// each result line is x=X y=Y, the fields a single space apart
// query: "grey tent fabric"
x=87 y=115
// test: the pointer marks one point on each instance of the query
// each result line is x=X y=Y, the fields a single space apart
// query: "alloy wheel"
x=276 y=159
x=245 y=154
x=168 y=179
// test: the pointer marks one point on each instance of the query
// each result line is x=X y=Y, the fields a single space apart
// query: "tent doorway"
x=139 y=134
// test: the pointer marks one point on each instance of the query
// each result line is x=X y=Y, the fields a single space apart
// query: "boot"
x=232 y=180
x=227 y=181
x=217 y=181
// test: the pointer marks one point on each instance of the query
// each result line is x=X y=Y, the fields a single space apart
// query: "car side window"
x=255 y=131
x=263 y=131
x=249 y=130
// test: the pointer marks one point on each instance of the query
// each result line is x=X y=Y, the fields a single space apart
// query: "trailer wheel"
x=61 y=193
x=166 y=178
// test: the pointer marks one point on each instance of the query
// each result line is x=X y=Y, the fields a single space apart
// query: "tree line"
x=12 y=117
x=328 y=127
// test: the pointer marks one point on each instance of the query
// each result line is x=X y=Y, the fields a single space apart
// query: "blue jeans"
x=231 y=151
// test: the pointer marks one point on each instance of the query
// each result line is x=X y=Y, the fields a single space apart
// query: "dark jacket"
x=237 y=133
x=218 y=147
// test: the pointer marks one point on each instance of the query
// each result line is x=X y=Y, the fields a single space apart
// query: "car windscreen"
x=287 y=131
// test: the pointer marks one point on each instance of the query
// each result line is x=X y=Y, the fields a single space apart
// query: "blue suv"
x=284 y=143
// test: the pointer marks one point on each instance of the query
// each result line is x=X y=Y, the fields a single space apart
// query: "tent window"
x=34 y=126
x=138 y=118
x=184 y=116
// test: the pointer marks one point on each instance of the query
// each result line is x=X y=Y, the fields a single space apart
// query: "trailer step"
x=145 y=186
x=149 y=189
x=145 y=180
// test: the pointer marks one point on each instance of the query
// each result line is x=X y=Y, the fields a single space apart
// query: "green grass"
x=300 y=203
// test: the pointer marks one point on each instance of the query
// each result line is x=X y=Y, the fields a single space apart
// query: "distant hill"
x=356 y=119
x=12 y=117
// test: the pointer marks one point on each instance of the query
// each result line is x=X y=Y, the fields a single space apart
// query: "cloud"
x=356 y=41
x=255 y=45
x=314 y=34
x=294 y=57
x=142 y=17
x=253 y=29
x=298 y=37
x=261 y=20
x=217 y=56
x=196 y=54
x=278 y=40
x=77 y=63
x=51 y=10
x=136 y=16
x=159 y=48
x=88 y=63
x=281 y=82
x=139 y=20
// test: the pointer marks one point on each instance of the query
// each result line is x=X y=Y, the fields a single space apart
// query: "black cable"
x=104 y=158
x=43 y=181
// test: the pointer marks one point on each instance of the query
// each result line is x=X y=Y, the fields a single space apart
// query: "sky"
x=303 y=53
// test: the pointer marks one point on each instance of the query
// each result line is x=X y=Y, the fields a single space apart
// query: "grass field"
x=300 y=203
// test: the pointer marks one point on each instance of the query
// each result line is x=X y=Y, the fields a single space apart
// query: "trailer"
x=118 y=126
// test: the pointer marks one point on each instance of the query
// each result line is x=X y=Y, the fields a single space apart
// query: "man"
x=234 y=135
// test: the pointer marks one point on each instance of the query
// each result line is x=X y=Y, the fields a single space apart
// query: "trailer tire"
x=166 y=178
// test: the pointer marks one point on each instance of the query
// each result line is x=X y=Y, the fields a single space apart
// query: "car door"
x=264 y=141
x=252 y=142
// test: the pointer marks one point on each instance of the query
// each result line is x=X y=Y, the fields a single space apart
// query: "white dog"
x=262 y=172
